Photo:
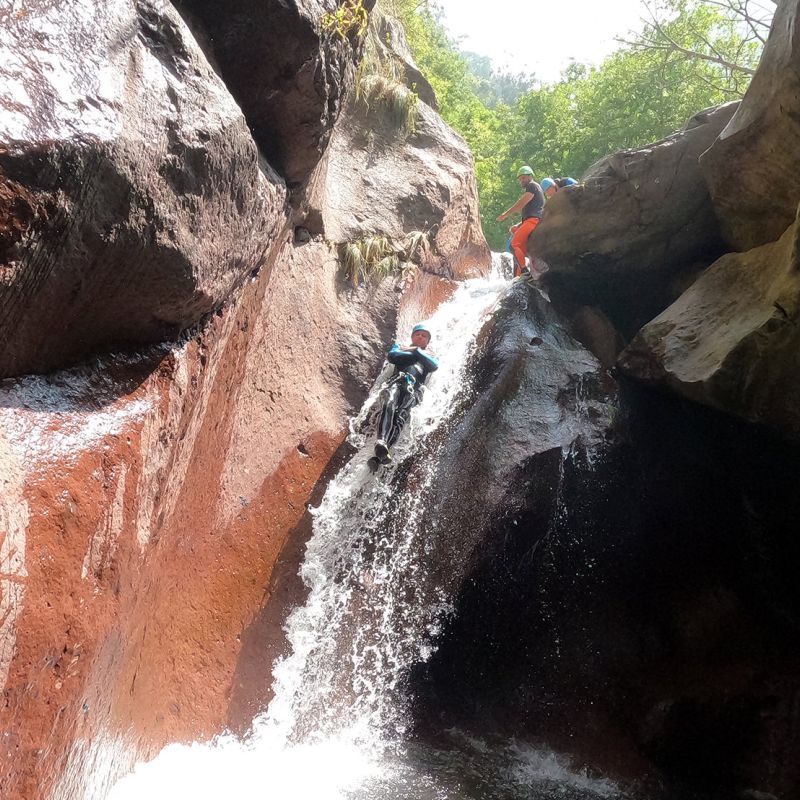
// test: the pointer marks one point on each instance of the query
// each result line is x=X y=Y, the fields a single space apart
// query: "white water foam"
x=338 y=566
x=324 y=731
x=532 y=765
x=336 y=726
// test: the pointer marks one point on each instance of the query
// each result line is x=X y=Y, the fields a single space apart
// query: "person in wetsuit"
x=412 y=365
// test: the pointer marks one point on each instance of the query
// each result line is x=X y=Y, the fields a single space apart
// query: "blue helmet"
x=547 y=183
x=421 y=327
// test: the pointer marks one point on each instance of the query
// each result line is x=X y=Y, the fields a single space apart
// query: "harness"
x=406 y=377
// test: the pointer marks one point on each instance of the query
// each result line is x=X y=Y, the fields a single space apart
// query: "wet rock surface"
x=731 y=340
x=380 y=177
x=136 y=197
x=149 y=492
x=640 y=622
x=147 y=497
x=751 y=168
x=623 y=564
x=530 y=393
x=533 y=392
x=288 y=75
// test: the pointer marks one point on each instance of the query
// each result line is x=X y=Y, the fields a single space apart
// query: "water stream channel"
x=338 y=726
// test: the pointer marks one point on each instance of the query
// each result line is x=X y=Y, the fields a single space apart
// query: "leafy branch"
x=735 y=54
x=349 y=18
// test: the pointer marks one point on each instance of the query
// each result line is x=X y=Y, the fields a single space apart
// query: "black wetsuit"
x=404 y=389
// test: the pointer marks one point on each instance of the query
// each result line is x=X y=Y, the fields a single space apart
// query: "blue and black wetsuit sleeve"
x=402 y=359
x=429 y=363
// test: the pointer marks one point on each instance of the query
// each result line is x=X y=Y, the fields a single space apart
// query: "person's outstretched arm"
x=518 y=206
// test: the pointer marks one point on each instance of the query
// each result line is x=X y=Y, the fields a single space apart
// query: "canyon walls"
x=644 y=624
x=181 y=350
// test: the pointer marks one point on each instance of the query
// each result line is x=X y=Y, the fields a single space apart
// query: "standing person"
x=531 y=204
x=412 y=365
x=551 y=185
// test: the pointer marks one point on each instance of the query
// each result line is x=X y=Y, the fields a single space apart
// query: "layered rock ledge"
x=732 y=340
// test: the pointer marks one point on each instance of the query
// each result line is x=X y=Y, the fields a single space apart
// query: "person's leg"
x=519 y=243
x=405 y=403
x=393 y=395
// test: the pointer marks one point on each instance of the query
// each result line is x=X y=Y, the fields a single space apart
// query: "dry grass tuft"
x=380 y=83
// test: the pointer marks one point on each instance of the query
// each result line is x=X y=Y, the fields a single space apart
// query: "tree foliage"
x=727 y=34
x=496 y=86
x=646 y=89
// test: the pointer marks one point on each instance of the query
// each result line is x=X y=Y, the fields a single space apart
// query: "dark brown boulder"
x=131 y=194
x=752 y=168
x=638 y=211
x=285 y=71
x=732 y=340
x=645 y=623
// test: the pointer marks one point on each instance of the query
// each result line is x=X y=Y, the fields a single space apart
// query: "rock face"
x=644 y=210
x=377 y=181
x=390 y=39
x=642 y=623
x=147 y=498
x=731 y=341
x=286 y=73
x=135 y=195
x=752 y=167
x=642 y=219
x=536 y=392
x=380 y=178
x=530 y=393
x=148 y=492
x=623 y=574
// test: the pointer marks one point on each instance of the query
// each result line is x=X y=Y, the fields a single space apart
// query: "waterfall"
x=372 y=608
x=337 y=724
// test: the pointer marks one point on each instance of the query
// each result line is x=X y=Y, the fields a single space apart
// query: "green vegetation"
x=377 y=256
x=349 y=18
x=691 y=55
x=381 y=82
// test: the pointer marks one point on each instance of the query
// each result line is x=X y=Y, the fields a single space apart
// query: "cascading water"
x=337 y=725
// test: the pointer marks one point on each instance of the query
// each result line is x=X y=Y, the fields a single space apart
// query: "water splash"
x=370 y=614
x=371 y=611
x=336 y=728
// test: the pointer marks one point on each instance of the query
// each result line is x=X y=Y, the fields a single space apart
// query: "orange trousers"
x=519 y=243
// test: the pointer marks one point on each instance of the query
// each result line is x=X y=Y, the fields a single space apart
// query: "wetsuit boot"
x=382 y=450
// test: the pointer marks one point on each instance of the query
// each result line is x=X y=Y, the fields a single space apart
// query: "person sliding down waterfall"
x=412 y=365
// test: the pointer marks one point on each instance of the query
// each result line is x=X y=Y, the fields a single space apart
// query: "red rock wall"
x=147 y=495
x=146 y=499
